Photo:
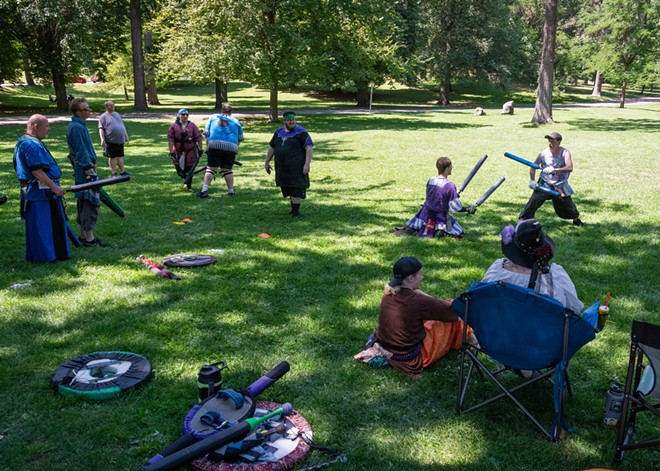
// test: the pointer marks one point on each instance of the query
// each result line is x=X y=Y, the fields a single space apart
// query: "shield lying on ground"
x=188 y=260
x=279 y=452
x=101 y=375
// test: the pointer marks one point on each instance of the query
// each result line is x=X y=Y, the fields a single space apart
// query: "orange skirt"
x=440 y=338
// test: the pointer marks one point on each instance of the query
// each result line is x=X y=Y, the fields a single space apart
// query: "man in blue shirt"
x=83 y=158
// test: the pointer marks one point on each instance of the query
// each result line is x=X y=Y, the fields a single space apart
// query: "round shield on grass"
x=288 y=449
x=101 y=375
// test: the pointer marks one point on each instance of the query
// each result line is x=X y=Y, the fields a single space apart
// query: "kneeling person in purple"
x=433 y=220
x=292 y=148
x=41 y=195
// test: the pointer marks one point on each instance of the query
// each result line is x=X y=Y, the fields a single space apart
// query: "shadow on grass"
x=619 y=125
x=308 y=294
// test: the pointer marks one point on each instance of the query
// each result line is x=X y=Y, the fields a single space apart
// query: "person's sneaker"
x=95 y=242
x=203 y=194
x=577 y=222
x=231 y=193
x=124 y=174
x=3 y=199
x=296 y=215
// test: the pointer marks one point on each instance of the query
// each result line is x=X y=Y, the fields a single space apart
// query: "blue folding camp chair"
x=522 y=330
x=642 y=390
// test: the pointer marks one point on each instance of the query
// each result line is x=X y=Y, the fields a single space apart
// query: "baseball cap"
x=403 y=268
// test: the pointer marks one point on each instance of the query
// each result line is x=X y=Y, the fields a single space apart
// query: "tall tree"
x=356 y=45
x=543 y=108
x=623 y=41
x=57 y=37
x=208 y=53
x=139 y=84
x=469 y=38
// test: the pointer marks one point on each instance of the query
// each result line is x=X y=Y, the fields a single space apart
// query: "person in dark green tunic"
x=292 y=148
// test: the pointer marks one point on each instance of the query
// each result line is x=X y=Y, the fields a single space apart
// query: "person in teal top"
x=83 y=158
x=223 y=135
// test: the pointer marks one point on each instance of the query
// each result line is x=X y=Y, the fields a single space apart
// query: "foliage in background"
x=58 y=40
x=469 y=39
x=622 y=40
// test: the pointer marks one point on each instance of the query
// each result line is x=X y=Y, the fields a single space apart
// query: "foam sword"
x=536 y=167
x=490 y=191
x=472 y=173
x=99 y=183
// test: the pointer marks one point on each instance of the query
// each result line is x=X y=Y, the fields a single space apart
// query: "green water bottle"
x=209 y=379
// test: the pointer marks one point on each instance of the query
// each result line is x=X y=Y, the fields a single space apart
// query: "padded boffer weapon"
x=99 y=183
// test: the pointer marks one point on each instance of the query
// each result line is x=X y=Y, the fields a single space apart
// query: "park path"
x=197 y=115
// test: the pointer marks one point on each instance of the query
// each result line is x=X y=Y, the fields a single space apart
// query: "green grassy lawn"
x=309 y=294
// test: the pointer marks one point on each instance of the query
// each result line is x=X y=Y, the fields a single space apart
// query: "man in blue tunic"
x=41 y=195
x=83 y=158
x=292 y=147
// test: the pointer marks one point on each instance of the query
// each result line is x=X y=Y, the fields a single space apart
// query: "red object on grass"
x=263 y=235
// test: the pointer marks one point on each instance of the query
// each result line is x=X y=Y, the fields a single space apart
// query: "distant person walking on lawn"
x=414 y=329
x=185 y=143
x=41 y=195
x=113 y=137
x=292 y=148
x=83 y=158
x=223 y=136
x=556 y=167
x=433 y=220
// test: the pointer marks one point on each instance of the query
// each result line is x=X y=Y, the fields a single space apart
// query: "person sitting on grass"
x=433 y=219
x=414 y=329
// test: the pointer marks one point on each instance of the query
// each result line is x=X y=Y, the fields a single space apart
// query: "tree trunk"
x=126 y=93
x=152 y=92
x=598 y=84
x=59 y=84
x=363 y=95
x=443 y=98
x=272 y=112
x=220 y=93
x=139 y=95
x=622 y=97
x=543 y=108
x=29 y=79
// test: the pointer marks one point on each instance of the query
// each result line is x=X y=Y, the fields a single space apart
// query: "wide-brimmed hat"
x=527 y=244
x=403 y=268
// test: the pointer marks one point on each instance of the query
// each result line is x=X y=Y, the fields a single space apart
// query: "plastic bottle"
x=613 y=405
x=209 y=379
x=20 y=285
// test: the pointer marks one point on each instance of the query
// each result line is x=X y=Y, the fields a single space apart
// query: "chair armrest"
x=591 y=315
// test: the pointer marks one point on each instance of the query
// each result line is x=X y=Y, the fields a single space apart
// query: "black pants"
x=564 y=206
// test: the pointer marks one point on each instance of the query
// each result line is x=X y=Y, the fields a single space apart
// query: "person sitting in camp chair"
x=528 y=250
x=414 y=328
